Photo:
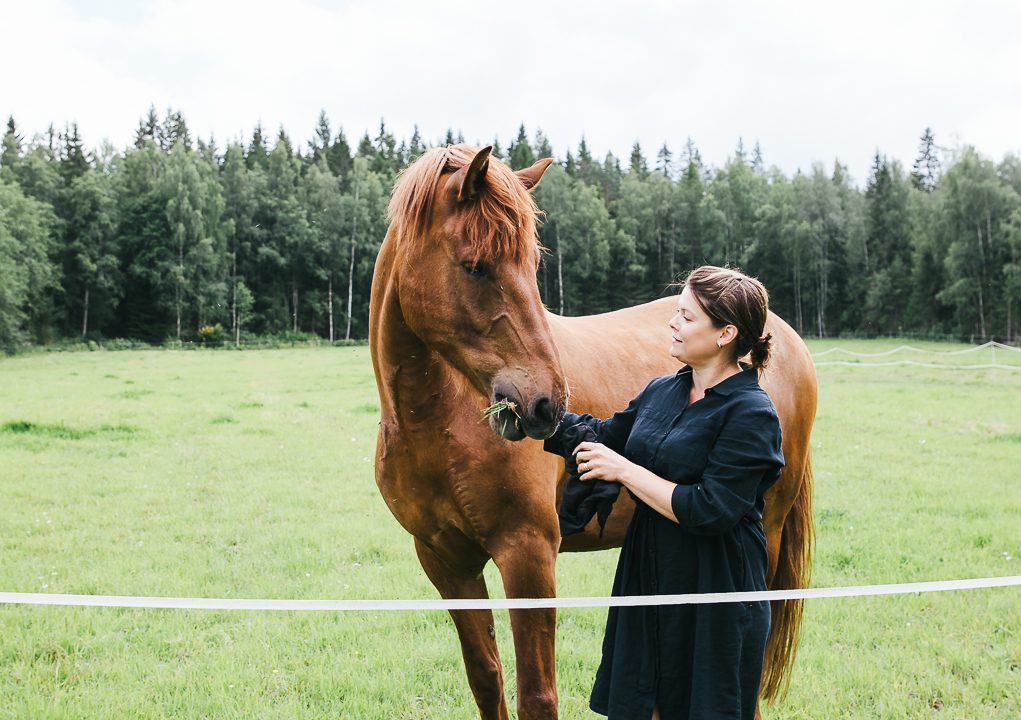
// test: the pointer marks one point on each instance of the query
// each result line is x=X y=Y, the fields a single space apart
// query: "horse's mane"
x=499 y=223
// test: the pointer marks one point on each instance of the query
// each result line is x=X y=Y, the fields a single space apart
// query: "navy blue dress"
x=724 y=453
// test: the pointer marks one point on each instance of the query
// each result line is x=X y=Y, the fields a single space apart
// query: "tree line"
x=174 y=239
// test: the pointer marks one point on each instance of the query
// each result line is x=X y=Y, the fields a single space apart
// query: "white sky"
x=811 y=81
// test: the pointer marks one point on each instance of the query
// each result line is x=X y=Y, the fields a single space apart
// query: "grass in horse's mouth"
x=498 y=407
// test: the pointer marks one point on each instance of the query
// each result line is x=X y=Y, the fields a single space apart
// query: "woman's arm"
x=746 y=450
x=612 y=432
x=599 y=462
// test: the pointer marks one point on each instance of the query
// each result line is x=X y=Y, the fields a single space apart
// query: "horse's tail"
x=793 y=570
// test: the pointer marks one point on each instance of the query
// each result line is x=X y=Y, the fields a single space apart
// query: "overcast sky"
x=810 y=81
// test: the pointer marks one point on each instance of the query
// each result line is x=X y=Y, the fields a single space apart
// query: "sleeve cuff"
x=555 y=442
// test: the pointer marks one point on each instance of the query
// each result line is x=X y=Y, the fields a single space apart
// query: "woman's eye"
x=475 y=269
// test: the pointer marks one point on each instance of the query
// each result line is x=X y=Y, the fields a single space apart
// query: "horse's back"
x=609 y=358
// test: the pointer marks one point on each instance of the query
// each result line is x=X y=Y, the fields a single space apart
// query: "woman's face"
x=694 y=336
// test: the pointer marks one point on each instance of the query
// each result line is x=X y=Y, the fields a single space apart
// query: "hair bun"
x=760 y=350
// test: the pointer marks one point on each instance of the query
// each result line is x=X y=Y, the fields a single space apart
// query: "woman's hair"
x=729 y=297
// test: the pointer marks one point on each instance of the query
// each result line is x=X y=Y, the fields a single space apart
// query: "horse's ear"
x=474 y=175
x=530 y=176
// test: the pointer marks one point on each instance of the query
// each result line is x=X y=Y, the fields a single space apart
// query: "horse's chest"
x=418 y=475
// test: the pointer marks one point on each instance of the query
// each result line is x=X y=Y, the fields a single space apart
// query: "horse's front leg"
x=475 y=629
x=527 y=563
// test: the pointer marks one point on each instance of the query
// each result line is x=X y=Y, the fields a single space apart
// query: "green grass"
x=250 y=475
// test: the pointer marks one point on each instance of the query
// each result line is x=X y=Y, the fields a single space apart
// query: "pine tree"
x=11 y=150
x=570 y=166
x=611 y=178
x=92 y=274
x=257 y=155
x=691 y=156
x=287 y=235
x=52 y=141
x=664 y=161
x=888 y=246
x=283 y=140
x=758 y=165
x=521 y=154
x=925 y=172
x=73 y=162
x=142 y=234
x=543 y=149
x=174 y=130
x=148 y=128
x=207 y=150
x=338 y=157
x=588 y=169
x=415 y=146
x=10 y=154
x=320 y=142
x=637 y=163
x=386 y=159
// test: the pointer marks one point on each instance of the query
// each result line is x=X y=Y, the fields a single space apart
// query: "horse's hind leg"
x=474 y=628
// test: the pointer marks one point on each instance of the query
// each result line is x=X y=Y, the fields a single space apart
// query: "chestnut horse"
x=457 y=324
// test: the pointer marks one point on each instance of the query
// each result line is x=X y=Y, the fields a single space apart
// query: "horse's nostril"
x=543 y=411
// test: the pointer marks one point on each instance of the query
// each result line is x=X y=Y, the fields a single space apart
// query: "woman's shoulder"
x=663 y=381
x=660 y=392
x=751 y=397
x=664 y=387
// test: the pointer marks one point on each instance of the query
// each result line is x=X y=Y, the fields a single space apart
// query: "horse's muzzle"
x=537 y=421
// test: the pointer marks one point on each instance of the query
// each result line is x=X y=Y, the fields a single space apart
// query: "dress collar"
x=747 y=377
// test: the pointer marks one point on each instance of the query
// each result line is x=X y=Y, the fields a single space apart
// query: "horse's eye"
x=475 y=269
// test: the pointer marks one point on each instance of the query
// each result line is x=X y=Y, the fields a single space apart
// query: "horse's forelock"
x=499 y=223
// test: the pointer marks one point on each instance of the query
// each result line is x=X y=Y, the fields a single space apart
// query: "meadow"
x=249 y=474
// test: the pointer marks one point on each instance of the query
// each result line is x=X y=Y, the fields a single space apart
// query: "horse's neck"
x=413 y=377
x=410 y=377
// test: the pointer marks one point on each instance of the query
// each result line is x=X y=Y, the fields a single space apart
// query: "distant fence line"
x=992 y=346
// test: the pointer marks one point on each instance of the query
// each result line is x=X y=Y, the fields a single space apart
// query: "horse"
x=458 y=328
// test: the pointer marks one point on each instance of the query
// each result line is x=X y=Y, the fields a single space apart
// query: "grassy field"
x=227 y=474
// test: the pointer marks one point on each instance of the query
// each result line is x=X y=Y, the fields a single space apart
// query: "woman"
x=697 y=451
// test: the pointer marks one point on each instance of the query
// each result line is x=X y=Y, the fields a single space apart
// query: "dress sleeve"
x=747 y=452
x=612 y=432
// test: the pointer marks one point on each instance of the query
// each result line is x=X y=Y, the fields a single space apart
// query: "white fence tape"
x=129 y=601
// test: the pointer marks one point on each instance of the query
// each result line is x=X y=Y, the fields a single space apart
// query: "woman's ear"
x=727 y=336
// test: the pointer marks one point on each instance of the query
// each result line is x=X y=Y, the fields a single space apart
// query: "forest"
x=174 y=240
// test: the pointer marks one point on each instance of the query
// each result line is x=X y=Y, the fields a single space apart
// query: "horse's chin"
x=507 y=425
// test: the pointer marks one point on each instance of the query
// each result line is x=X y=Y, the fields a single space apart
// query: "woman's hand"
x=598 y=462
